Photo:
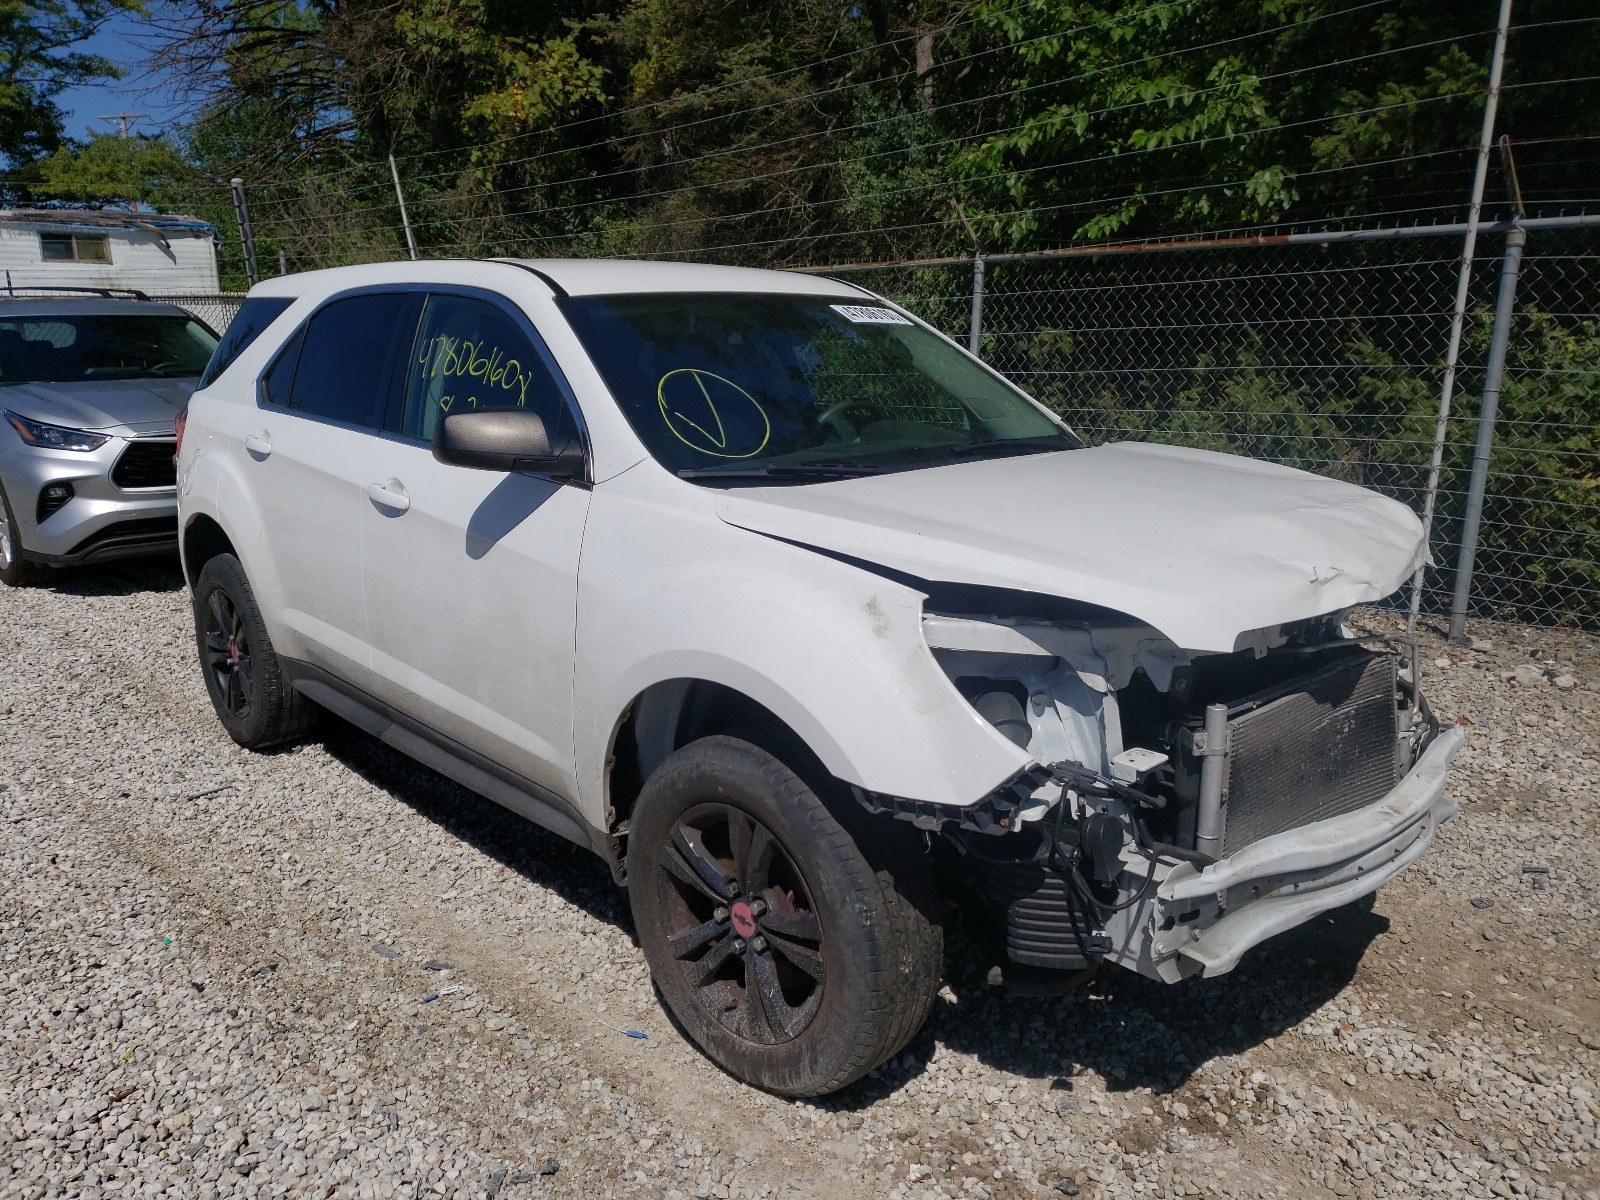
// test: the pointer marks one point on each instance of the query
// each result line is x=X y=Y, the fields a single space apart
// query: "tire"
x=243 y=676
x=15 y=571
x=832 y=915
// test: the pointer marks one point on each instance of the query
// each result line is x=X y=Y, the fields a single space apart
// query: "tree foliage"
x=802 y=131
x=107 y=170
x=40 y=56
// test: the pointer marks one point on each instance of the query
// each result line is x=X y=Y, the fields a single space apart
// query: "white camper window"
x=73 y=247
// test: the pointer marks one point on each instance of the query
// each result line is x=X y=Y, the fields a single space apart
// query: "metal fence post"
x=247 y=237
x=975 y=331
x=411 y=242
x=1458 y=316
x=1494 y=372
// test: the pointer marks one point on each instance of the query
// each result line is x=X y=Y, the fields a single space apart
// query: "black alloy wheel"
x=244 y=677
x=794 y=937
x=742 y=927
x=227 y=654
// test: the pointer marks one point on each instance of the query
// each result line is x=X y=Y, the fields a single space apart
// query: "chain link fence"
x=215 y=309
x=1325 y=356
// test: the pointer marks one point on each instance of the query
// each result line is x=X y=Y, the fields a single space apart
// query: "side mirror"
x=506 y=439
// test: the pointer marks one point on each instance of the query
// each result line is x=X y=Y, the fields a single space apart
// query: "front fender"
x=667 y=591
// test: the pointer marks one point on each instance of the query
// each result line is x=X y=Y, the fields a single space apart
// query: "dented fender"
x=668 y=591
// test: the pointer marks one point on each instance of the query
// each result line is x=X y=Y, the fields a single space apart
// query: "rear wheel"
x=796 y=953
x=15 y=571
x=252 y=698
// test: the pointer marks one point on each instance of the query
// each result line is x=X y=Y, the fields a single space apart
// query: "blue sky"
x=120 y=41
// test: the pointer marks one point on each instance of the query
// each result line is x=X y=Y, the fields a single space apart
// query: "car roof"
x=62 y=306
x=575 y=277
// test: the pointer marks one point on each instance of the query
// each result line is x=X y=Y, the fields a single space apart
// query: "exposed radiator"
x=1318 y=746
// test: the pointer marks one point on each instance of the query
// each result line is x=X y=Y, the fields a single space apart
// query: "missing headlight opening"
x=1167 y=820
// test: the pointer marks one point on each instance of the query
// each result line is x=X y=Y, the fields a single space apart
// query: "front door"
x=470 y=576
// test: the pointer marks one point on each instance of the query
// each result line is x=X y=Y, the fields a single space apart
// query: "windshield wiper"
x=1010 y=446
x=781 y=471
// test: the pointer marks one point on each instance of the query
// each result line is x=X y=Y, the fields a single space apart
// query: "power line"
x=919 y=188
x=920 y=114
x=924 y=114
x=654 y=104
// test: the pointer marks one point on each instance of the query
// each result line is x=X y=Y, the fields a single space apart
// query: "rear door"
x=320 y=404
x=470 y=576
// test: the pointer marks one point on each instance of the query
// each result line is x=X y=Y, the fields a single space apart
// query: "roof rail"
x=109 y=293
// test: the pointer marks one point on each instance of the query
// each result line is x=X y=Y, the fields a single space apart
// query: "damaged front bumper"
x=1201 y=920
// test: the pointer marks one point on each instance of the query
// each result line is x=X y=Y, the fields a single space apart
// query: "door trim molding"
x=447 y=756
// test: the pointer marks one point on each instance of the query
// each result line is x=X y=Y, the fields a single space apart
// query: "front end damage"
x=1183 y=807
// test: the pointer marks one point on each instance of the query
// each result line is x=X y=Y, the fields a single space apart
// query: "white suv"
x=795 y=613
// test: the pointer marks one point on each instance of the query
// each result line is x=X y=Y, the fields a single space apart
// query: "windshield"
x=769 y=385
x=78 y=347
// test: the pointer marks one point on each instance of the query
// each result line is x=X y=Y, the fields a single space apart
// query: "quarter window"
x=276 y=382
x=471 y=354
x=344 y=368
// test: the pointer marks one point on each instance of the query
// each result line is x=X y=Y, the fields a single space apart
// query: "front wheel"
x=15 y=571
x=796 y=953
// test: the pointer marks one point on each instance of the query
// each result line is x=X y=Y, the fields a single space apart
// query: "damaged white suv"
x=793 y=611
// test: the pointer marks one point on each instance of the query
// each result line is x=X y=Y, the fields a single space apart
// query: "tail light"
x=177 y=429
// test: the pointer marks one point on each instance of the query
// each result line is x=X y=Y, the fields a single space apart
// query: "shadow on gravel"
x=127 y=578
x=572 y=872
x=1131 y=1031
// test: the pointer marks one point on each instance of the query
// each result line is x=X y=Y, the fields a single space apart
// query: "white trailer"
x=99 y=248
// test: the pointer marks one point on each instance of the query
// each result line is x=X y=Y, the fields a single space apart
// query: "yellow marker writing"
x=708 y=396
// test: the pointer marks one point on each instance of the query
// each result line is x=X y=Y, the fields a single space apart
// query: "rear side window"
x=471 y=354
x=347 y=358
x=246 y=326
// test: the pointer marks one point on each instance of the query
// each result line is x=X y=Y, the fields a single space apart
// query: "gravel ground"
x=326 y=972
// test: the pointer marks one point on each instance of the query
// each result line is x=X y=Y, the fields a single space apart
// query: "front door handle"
x=391 y=495
x=259 y=444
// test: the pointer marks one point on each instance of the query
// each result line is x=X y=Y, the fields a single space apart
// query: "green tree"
x=143 y=172
x=38 y=61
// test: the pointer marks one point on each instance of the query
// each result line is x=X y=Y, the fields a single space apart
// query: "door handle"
x=390 y=495
x=259 y=444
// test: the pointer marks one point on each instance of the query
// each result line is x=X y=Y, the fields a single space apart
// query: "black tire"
x=245 y=680
x=15 y=571
x=843 y=943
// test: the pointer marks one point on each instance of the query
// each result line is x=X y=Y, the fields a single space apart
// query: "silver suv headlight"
x=55 y=437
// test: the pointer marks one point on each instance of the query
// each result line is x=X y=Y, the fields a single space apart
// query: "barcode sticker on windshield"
x=869 y=314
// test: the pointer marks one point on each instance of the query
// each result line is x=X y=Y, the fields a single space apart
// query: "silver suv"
x=90 y=389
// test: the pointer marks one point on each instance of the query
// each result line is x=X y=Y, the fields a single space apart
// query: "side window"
x=280 y=375
x=347 y=354
x=247 y=325
x=471 y=354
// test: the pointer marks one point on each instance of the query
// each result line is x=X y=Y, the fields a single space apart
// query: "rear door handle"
x=259 y=444
x=390 y=495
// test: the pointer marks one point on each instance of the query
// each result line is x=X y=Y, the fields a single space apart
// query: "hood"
x=129 y=406
x=1202 y=546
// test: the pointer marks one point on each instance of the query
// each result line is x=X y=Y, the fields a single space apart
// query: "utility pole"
x=123 y=119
